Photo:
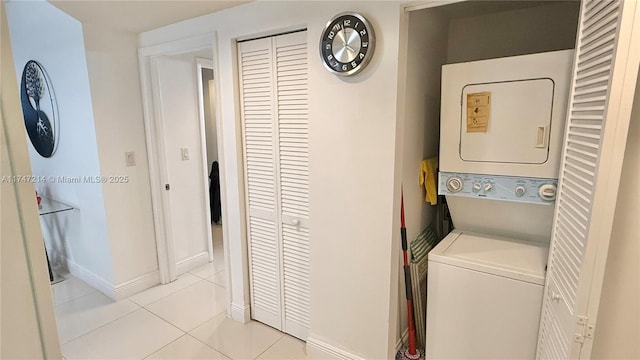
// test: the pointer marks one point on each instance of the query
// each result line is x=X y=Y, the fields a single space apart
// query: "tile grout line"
x=80 y=297
x=161 y=319
x=164 y=346
x=270 y=346
x=92 y=290
x=169 y=294
x=218 y=350
x=216 y=272
x=105 y=324
x=207 y=345
x=139 y=306
x=184 y=288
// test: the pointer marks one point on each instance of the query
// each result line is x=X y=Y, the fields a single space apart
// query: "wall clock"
x=347 y=44
x=39 y=108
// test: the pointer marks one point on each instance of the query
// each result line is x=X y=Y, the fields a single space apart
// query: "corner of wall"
x=91 y=278
x=318 y=349
x=132 y=287
x=59 y=47
x=240 y=312
x=114 y=83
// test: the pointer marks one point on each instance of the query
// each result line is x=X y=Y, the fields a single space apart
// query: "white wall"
x=26 y=332
x=618 y=324
x=541 y=28
x=112 y=63
x=59 y=46
x=354 y=261
x=425 y=53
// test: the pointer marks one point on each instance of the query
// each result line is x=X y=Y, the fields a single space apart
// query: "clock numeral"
x=363 y=32
x=356 y=25
x=344 y=67
x=337 y=27
x=353 y=63
x=328 y=46
x=347 y=23
x=330 y=57
x=361 y=55
x=365 y=44
x=331 y=35
x=335 y=64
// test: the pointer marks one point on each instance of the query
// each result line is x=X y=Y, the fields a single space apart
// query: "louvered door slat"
x=264 y=268
x=594 y=119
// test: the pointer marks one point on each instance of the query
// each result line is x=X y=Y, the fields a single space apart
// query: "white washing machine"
x=502 y=122
x=484 y=297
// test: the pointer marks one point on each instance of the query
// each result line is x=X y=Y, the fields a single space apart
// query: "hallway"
x=185 y=319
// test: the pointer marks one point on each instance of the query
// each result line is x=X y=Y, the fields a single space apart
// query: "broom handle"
x=407 y=279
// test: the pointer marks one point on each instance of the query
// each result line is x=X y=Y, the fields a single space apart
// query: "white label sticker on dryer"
x=478 y=111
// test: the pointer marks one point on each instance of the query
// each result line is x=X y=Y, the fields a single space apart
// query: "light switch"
x=131 y=158
x=185 y=153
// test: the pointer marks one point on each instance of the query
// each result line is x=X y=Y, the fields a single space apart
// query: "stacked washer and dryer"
x=502 y=126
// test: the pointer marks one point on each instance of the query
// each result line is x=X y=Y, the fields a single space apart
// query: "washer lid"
x=515 y=259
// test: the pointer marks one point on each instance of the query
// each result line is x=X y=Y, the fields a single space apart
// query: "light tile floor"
x=185 y=319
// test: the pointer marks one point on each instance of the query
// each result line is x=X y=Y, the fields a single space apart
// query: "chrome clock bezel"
x=367 y=56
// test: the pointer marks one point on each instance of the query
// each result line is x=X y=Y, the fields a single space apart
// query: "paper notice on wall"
x=478 y=111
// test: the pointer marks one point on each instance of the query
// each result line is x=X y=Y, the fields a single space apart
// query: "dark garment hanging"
x=214 y=193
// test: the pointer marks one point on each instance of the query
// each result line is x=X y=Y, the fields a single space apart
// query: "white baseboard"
x=132 y=287
x=402 y=340
x=194 y=262
x=92 y=279
x=322 y=350
x=240 y=312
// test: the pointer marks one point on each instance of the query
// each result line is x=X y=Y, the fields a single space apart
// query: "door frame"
x=147 y=59
x=205 y=64
x=613 y=149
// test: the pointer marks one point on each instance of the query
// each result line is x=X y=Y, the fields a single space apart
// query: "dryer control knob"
x=454 y=184
x=547 y=192
x=477 y=187
x=488 y=186
x=520 y=191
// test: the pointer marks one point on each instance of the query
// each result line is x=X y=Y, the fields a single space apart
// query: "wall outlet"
x=131 y=158
x=185 y=153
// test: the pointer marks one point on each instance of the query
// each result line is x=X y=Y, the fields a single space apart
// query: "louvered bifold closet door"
x=293 y=138
x=258 y=112
x=604 y=78
x=274 y=91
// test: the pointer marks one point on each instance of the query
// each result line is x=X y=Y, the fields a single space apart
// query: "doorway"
x=182 y=86
x=207 y=111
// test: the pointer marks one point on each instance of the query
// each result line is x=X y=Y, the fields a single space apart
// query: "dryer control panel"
x=494 y=187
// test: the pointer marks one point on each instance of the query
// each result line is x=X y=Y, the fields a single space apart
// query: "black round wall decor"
x=39 y=108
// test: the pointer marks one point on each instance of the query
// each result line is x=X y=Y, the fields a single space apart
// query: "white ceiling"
x=139 y=15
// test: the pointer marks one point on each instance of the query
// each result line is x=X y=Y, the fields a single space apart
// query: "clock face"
x=39 y=108
x=347 y=44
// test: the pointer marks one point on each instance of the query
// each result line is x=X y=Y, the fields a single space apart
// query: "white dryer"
x=502 y=121
x=484 y=297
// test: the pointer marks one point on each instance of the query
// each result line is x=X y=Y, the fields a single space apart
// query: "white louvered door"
x=605 y=69
x=293 y=138
x=258 y=114
x=273 y=79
